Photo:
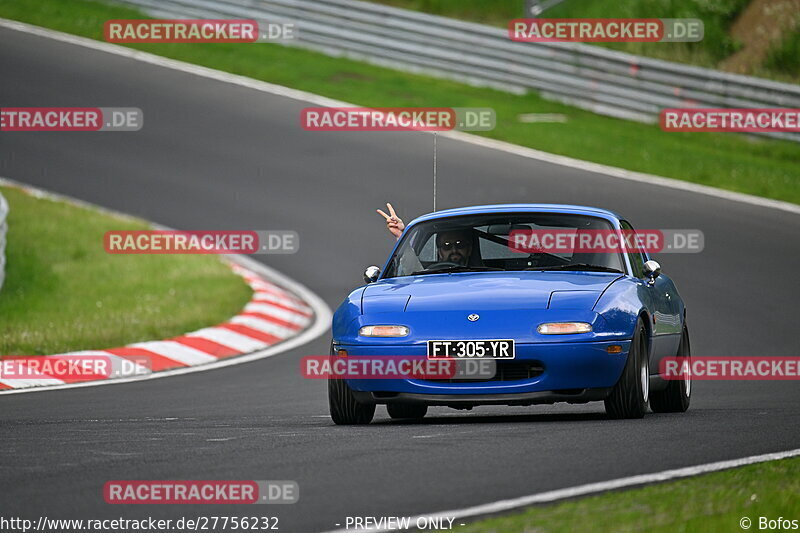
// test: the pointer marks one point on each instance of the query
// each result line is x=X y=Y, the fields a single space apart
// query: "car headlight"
x=383 y=331
x=564 y=328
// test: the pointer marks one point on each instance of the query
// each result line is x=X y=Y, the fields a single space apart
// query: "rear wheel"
x=407 y=410
x=676 y=397
x=628 y=398
x=345 y=410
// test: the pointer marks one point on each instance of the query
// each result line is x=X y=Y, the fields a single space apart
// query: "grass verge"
x=718 y=18
x=63 y=292
x=704 y=504
x=755 y=166
x=784 y=57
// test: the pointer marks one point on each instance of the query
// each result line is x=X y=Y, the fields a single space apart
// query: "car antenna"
x=434 y=171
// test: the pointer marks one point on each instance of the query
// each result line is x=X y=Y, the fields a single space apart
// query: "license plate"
x=485 y=349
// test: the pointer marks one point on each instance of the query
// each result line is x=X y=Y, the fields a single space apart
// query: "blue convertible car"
x=571 y=326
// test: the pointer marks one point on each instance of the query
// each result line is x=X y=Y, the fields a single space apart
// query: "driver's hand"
x=393 y=222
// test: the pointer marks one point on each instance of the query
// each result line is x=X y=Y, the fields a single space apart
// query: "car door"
x=660 y=298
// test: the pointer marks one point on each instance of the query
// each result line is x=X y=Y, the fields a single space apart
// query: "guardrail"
x=3 y=232
x=590 y=77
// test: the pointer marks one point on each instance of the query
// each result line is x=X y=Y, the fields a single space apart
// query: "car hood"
x=482 y=291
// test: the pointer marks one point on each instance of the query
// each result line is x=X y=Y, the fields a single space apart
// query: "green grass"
x=705 y=504
x=63 y=292
x=756 y=166
x=717 y=16
x=784 y=57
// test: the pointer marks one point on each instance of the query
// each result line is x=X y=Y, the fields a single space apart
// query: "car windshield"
x=501 y=242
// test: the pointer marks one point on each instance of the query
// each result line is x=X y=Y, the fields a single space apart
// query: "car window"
x=636 y=257
x=485 y=242
x=497 y=250
x=428 y=252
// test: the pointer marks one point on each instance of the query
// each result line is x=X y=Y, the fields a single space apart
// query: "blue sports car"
x=558 y=326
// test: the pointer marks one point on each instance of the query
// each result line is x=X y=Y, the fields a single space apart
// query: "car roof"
x=516 y=208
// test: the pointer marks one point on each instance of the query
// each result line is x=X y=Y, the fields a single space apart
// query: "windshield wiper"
x=579 y=266
x=459 y=268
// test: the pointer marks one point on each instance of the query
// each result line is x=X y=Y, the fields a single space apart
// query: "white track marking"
x=266 y=297
x=277 y=312
x=32 y=382
x=232 y=339
x=316 y=99
x=263 y=326
x=594 y=488
x=259 y=286
x=176 y=351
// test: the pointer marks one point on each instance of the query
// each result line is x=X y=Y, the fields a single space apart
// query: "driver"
x=453 y=246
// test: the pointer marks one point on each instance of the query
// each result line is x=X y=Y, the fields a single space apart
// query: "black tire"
x=345 y=410
x=628 y=398
x=407 y=410
x=676 y=397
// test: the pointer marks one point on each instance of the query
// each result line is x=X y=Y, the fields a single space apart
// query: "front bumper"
x=576 y=371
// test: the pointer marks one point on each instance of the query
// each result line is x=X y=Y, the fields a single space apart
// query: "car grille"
x=506 y=371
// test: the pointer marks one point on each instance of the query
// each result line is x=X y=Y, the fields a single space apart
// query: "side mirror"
x=371 y=274
x=652 y=269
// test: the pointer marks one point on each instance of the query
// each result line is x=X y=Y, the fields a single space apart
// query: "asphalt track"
x=217 y=156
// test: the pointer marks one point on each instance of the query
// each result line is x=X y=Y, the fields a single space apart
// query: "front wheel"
x=345 y=410
x=676 y=397
x=628 y=398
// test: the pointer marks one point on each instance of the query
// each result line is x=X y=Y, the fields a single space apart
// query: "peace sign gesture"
x=393 y=222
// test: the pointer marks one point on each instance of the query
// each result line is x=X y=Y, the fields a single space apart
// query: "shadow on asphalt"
x=494 y=419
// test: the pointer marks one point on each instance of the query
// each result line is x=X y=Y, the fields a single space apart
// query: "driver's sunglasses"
x=449 y=245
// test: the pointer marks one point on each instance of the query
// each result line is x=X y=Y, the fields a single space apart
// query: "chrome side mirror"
x=652 y=270
x=371 y=274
